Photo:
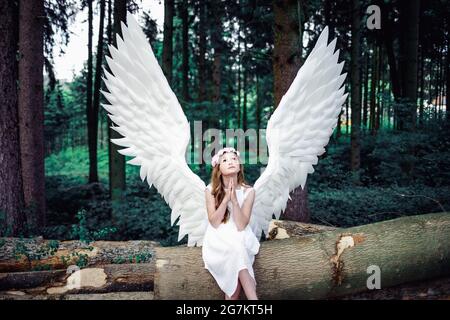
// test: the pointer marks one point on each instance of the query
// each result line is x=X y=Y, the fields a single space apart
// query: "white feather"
x=155 y=130
x=298 y=131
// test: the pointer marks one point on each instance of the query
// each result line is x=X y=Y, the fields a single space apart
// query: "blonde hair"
x=218 y=188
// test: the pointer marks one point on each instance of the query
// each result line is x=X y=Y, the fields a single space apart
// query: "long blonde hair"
x=218 y=187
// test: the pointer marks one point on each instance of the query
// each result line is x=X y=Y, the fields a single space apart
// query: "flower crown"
x=215 y=159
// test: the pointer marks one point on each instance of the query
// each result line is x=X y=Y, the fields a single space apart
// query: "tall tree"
x=185 y=39
x=96 y=102
x=11 y=195
x=388 y=29
x=447 y=71
x=409 y=43
x=217 y=12
x=202 y=51
x=91 y=122
x=373 y=87
x=31 y=109
x=167 y=41
x=355 y=91
x=287 y=56
x=116 y=160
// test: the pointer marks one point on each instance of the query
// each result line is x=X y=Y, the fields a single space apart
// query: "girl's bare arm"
x=242 y=215
x=215 y=217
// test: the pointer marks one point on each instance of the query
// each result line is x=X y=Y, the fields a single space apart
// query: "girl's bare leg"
x=248 y=284
x=235 y=295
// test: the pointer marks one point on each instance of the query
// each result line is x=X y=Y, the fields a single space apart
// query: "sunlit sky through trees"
x=76 y=51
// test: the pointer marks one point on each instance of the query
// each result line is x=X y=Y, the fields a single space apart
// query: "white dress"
x=226 y=251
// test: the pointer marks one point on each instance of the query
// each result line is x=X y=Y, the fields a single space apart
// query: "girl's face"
x=229 y=164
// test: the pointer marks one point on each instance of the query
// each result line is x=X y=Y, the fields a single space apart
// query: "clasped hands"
x=230 y=193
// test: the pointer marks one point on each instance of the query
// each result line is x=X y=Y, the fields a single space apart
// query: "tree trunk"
x=92 y=118
x=244 y=92
x=287 y=59
x=117 y=176
x=239 y=84
x=217 y=43
x=387 y=35
x=347 y=116
x=258 y=102
x=311 y=262
x=31 y=110
x=11 y=194
x=355 y=92
x=373 y=91
x=380 y=80
x=185 y=22
x=98 y=74
x=101 y=279
x=408 y=61
x=37 y=254
x=365 y=88
x=202 y=53
x=447 y=73
x=167 y=41
x=421 y=86
x=287 y=53
x=325 y=265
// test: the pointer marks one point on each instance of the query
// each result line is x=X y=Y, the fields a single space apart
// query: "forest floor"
x=434 y=289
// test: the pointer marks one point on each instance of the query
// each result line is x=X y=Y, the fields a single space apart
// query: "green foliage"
x=26 y=248
x=85 y=234
x=362 y=205
x=73 y=164
x=395 y=167
x=141 y=257
x=389 y=189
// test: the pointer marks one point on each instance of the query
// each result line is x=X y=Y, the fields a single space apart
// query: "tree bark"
x=312 y=262
x=409 y=43
x=91 y=117
x=202 y=52
x=355 y=92
x=117 y=178
x=287 y=59
x=167 y=41
x=373 y=92
x=312 y=267
x=101 y=279
x=31 y=110
x=97 y=84
x=37 y=254
x=244 y=91
x=287 y=53
x=379 y=103
x=185 y=22
x=11 y=194
x=365 y=88
x=387 y=32
x=216 y=10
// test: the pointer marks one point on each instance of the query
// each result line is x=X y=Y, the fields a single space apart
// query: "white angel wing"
x=155 y=130
x=298 y=131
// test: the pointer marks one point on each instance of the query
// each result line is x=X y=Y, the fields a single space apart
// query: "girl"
x=229 y=245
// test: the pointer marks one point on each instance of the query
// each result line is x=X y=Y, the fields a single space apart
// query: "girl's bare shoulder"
x=208 y=189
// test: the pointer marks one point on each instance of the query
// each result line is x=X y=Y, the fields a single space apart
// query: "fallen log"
x=283 y=229
x=434 y=289
x=324 y=265
x=19 y=295
x=100 y=279
x=38 y=254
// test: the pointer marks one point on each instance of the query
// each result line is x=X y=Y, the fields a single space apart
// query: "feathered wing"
x=298 y=131
x=154 y=128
